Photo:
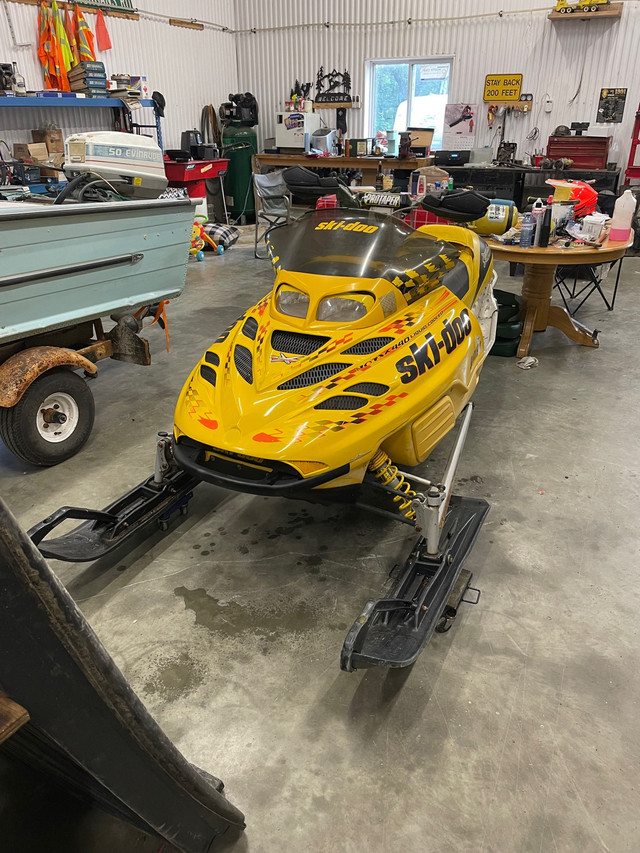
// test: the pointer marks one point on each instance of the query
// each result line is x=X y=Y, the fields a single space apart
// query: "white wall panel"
x=553 y=57
x=190 y=67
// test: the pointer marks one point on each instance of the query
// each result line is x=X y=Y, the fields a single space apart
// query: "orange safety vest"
x=71 y=36
x=49 y=53
x=84 y=38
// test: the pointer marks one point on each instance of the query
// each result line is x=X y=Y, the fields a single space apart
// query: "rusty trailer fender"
x=20 y=370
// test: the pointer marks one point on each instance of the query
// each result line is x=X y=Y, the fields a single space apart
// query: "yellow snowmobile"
x=361 y=358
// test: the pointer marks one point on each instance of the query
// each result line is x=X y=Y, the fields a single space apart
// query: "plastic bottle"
x=537 y=212
x=526 y=233
x=379 y=176
x=622 y=216
x=450 y=182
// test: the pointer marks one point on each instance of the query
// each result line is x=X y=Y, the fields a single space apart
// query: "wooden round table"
x=537 y=286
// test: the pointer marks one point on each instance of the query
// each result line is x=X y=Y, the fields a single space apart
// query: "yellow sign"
x=502 y=87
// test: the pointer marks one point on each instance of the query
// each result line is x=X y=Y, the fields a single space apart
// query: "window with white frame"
x=407 y=93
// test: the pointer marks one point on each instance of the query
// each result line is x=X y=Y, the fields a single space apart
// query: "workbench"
x=519 y=182
x=367 y=165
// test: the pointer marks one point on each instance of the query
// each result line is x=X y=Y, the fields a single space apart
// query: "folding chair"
x=591 y=278
x=272 y=203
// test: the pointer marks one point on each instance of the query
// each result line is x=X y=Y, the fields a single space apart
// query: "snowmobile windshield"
x=359 y=244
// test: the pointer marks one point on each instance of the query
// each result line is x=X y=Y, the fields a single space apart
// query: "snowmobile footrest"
x=393 y=631
x=104 y=530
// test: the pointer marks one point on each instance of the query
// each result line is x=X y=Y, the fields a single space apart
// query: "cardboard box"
x=421 y=137
x=30 y=151
x=53 y=139
x=52 y=165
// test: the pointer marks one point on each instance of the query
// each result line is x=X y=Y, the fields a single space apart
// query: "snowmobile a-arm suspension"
x=392 y=631
x=431 y=507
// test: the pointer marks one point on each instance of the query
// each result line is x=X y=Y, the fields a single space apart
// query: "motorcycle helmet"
x=562 y=130
x=585 y=196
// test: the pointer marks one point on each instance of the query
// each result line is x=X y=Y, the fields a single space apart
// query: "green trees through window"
x=410 y=93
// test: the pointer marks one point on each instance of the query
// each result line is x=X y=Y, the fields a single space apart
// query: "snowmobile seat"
x=307 y=186
x=457 y=205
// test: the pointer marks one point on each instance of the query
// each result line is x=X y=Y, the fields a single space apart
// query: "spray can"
x=526 y=233
x=537 y=212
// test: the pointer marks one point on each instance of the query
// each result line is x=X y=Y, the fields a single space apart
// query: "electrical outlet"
x=548 y=104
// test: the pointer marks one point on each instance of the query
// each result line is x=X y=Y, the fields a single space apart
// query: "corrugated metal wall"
x=192 y=68
x=189 y=67
x=555 y=58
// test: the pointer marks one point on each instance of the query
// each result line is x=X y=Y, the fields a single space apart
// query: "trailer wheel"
x=52 y=420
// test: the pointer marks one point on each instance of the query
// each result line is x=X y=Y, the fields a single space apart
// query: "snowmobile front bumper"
x=280 y=480
x=179 y=469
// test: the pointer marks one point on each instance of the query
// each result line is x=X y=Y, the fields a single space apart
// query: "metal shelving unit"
x=117 y=104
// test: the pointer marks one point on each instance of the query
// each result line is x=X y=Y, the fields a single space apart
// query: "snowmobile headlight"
x=342 y=309
x=292 y=302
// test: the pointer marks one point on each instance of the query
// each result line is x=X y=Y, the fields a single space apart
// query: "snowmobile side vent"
x=343 y=401
x=212 y=358
x=208 y=373
x=369 y=346
x=295 y=343
x=250 y=328
x=243 y=361
x=374 y=389
x=319 y=373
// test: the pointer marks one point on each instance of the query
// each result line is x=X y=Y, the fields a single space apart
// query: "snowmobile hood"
x=327 y=365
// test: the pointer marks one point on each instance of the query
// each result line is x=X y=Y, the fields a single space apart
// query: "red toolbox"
x=587 y=152
x=193 y=174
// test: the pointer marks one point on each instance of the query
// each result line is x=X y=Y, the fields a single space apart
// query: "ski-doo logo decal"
x=287 y=359
x=332 y=225
x=427 y=355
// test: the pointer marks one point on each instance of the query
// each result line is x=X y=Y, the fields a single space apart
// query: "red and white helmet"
x=585 y=196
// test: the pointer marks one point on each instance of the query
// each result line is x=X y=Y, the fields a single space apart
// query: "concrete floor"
x=515 y=732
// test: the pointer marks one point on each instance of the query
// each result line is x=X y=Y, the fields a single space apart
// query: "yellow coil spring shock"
x=387 y=473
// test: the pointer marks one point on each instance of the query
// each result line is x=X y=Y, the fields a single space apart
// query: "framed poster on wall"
x=611 y=106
